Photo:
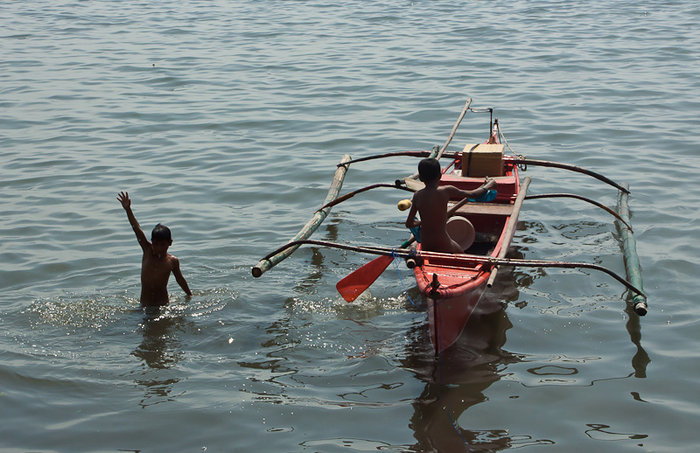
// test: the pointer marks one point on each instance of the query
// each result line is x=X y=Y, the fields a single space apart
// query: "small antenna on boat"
x=484 y=110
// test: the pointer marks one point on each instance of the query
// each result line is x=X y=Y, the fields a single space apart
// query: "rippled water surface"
x=224 y=120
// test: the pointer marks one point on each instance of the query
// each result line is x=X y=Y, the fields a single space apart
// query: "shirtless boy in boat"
x=431 y=203
x=157 y=263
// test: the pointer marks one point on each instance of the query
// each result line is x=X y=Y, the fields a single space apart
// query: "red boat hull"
x=453 y=287
x=447 y=317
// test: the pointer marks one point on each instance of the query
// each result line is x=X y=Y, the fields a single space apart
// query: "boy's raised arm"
x=488 y=184
x=124 y=199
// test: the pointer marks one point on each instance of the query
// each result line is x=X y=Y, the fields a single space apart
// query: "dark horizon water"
x=225 y=120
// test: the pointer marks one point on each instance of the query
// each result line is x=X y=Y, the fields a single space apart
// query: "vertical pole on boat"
x=629 y=248
x=311 y=226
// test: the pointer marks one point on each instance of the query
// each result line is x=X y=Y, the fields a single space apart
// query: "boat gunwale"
x=475 y=276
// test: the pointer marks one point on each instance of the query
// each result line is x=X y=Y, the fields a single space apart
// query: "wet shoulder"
x=173 y=261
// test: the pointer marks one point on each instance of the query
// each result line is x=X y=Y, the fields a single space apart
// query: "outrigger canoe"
x=453 y=284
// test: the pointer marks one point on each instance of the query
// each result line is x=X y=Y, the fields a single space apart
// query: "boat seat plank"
x=500 y=209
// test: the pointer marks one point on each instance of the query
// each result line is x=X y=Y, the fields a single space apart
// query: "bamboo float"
x=510 y=229
x=312 y=225
x=629 y=249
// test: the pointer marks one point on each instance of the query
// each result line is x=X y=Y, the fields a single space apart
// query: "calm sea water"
x=224 y=120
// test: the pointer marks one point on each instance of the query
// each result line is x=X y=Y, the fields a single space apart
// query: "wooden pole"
x=307 y=230
x=629 y=248
x=412 y=181
x=454 y=129
x=510 y=228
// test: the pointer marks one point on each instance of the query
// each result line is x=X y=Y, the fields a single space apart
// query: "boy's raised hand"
x=123 y=198
x=489 y=183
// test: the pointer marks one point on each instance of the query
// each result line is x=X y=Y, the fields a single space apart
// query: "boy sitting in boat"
x=157 y=263
x=431 y=203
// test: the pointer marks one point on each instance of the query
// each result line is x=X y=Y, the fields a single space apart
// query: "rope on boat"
x=502 y=137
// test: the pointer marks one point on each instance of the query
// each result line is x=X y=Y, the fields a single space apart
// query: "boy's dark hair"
x=161 y=233
x=429 y=169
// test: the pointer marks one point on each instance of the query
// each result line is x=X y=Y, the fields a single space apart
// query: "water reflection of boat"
x=457 y=380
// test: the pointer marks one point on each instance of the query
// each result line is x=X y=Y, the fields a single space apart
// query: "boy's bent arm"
x=455 y=192
x=179 y=278
x=411 y=219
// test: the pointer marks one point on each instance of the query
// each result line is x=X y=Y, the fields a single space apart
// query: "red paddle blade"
x=358 y=281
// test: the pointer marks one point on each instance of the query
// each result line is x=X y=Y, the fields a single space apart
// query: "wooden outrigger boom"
x=510 y=228
x=458 y=259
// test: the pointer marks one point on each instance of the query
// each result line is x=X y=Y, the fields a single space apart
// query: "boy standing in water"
x=157 y=263
x=431 y=204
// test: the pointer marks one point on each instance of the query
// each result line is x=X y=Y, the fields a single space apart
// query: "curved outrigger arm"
x=580 y=197
x=340 y=199
x=514 y=160
x=385 y=155
x=459 y=259
x=546 y=163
